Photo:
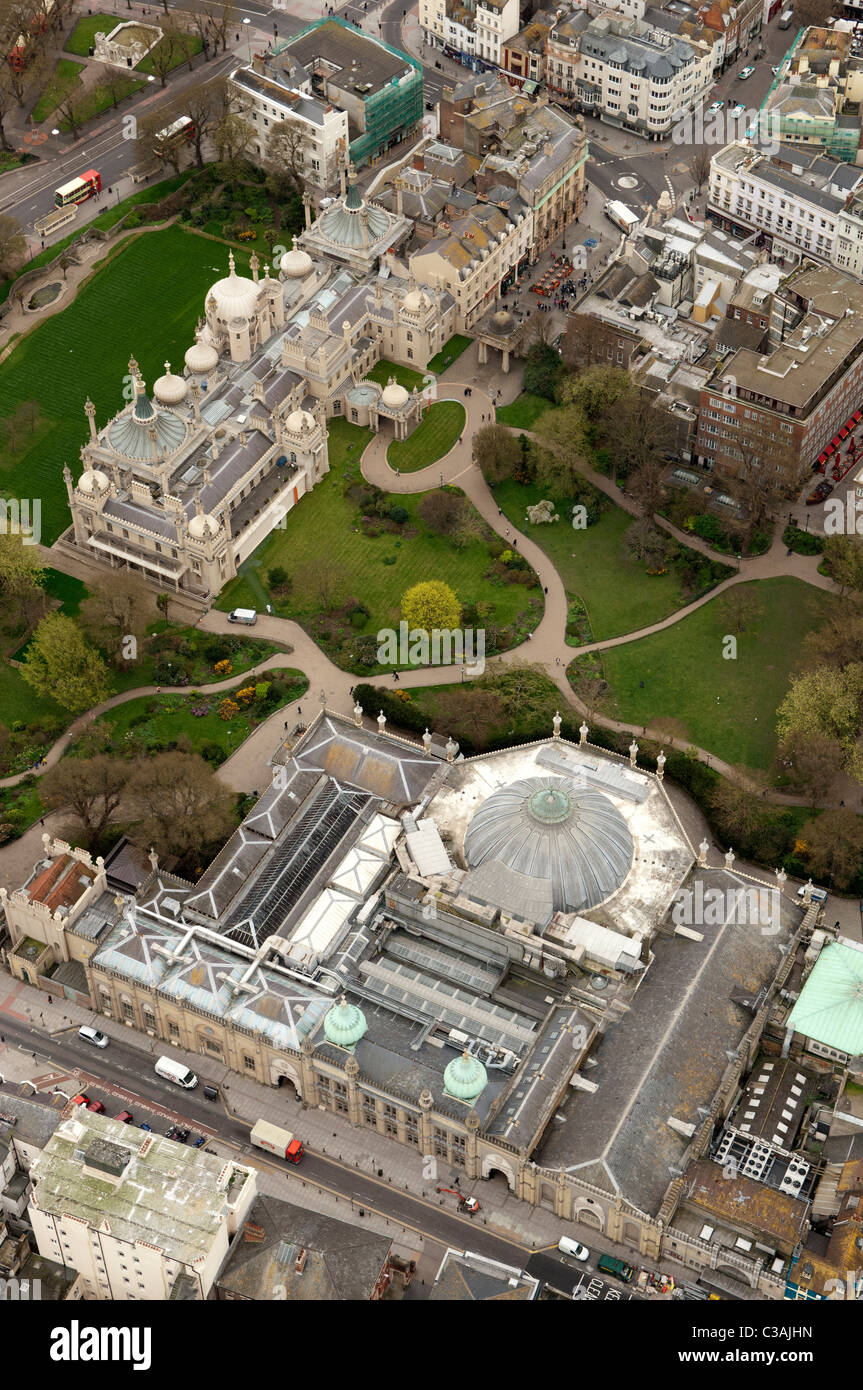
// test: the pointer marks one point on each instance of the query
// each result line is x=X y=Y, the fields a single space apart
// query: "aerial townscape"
x=431 y=705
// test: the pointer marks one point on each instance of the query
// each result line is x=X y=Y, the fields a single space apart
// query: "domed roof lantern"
x=465 y=1078
x=345 y=1024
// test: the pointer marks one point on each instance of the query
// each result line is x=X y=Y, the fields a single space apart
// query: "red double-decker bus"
x=79 y=190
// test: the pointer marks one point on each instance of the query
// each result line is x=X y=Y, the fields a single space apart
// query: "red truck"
x=277 y=1141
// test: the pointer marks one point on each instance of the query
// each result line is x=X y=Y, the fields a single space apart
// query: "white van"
x=243 y=615
x=177 y=1072
x=92 y=1035
x=572 y=1248
x=786 y=19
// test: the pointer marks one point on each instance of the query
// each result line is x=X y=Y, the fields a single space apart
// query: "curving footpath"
x=547 y=646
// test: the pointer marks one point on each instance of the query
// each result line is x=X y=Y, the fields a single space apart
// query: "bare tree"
x=584 y=342
x=288 y=148
x=164 y=55
x=206 y=103
x=13 y=244
x=813 y=12
x=232 y=136
x=699 y=166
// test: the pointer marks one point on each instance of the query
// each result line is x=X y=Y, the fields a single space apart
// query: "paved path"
x=248 y=767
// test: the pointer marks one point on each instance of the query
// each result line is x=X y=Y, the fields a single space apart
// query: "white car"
x=714 y=107
x=737 y=109
x=573 y=1248
x=744 y=73
x=92 y=1035
x=774 y=71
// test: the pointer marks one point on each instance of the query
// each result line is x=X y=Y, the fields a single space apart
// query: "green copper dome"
x=345 y=1024
x=465 y=1078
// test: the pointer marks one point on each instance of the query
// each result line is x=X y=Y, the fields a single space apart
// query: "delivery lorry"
x=277 y=1141
x=622 y=217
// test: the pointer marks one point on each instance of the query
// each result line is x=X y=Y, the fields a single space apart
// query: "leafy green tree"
x=22 y=574
x=843 y=561
x=829 y=701
x=647 y=543
x=431 y=604
x=61 y=663
x=542 y=371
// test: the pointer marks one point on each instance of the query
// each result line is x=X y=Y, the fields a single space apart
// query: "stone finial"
x=583 y=732
x=450 y=750
x=358 y=714
x=255 y=266
x=46 y=842
x=427 y=741
x=729 y=858
x=781 y=879
x=702 y=853
x=382 y=721
x=633 y=753
x=153 y=858
x=807 y=892
x=556 y=723
x=660 y=764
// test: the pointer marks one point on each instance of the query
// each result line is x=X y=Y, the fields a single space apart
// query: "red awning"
x=857 y=416
x=822 y=458
x=843 y=433
x=829 y=449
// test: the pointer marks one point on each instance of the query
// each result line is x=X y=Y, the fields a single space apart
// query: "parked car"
x=714 y=107
x=82 y=1099
x=818 y=494
x=573 y=1248
x=96 y=1106
x=125 y=1116
x=745 y=72
x=738 y=108
x=775 y=70
x=148 y=1128
x=92 y=1035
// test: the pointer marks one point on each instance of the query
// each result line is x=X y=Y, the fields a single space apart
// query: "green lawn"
x=405 y=376
x=727 y=706
x=172 y=716
x=67 y=75
x=595 y=565
x=179 y=56
x=19 y=703
x=177 y=267
x=524 y=412
x=98 y=100
x=325 y=515
x=449 y=352
x=434 y=436
x=83 y=36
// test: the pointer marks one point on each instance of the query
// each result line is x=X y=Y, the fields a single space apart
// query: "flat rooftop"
x=347 y=57
x=666 y=1057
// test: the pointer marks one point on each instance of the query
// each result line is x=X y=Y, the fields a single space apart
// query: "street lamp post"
x=248 y=22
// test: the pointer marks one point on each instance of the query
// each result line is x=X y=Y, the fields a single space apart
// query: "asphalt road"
x=577 y=1277
x=122 y=1077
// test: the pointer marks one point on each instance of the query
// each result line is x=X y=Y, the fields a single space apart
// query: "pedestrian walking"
x=286 y=723
x=545 y=590
x=499 y=512
x=299 y=709
x=395 y=676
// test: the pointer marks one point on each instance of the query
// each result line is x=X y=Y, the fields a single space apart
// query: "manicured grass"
x=405 y=376
x=172 y=716
x=449 y=352
x=524 y=412
x=70 y=591
x=67 y=76
x=176 y=267
x=433 y=437
x=20 y=806
x=325 y=522
x=727 y=706
x=179 y=56
x=83 y=36
x=111 y=216
x=18 y=702
x=98 y=99
x=595 y=565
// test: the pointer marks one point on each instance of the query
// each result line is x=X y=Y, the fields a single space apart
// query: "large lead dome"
x=550 y=828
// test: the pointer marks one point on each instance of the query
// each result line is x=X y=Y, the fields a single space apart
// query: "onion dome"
x=300 y=420
x=465 y=1078
x=170 y=389
x=93 y=480
x=201 y=358
x=296 y=264
x=236 y=296
x=415 y=300
x=203 y=525
x=394 y=395
x=549 y=828
x=344 y=1024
